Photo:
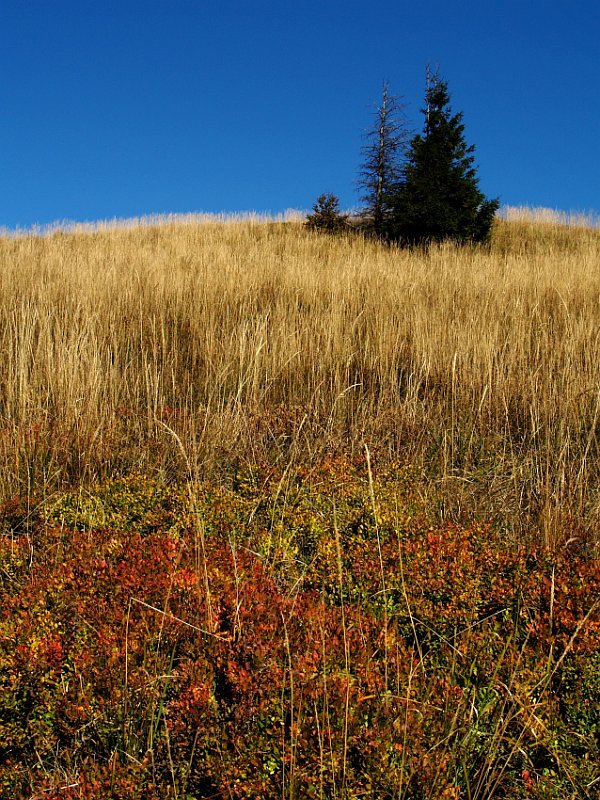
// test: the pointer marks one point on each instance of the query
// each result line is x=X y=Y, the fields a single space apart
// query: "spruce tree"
x=383 y=153
x=439 y=197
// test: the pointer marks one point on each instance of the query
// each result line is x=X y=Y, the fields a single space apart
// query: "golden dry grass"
x=189 y=345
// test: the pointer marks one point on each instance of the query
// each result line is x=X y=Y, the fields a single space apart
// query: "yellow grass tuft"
x=252 y=339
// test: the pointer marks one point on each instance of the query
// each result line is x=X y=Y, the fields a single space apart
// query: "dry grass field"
x=188 y=346
x=289 y=516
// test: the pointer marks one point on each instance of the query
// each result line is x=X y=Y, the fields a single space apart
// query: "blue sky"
x=123 y=108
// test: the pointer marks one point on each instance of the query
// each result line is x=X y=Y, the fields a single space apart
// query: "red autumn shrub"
x=278 y=650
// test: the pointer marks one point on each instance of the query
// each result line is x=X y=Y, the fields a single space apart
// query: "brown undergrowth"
x=300 y=633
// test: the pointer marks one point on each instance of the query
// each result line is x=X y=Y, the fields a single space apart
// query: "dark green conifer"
x=439 y=197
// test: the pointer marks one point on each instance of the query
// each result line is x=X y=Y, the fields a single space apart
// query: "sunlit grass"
x=197 y=343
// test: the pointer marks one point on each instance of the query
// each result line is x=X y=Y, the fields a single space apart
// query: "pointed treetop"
x=439 y=197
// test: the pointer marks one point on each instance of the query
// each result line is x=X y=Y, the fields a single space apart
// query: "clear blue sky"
x=118 y=108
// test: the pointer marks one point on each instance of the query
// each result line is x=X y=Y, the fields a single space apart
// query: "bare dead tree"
x=383 y=156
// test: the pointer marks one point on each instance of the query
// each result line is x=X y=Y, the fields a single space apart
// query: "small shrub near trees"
x=326 y=215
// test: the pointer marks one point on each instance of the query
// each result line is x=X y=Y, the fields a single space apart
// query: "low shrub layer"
x=293 y=634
